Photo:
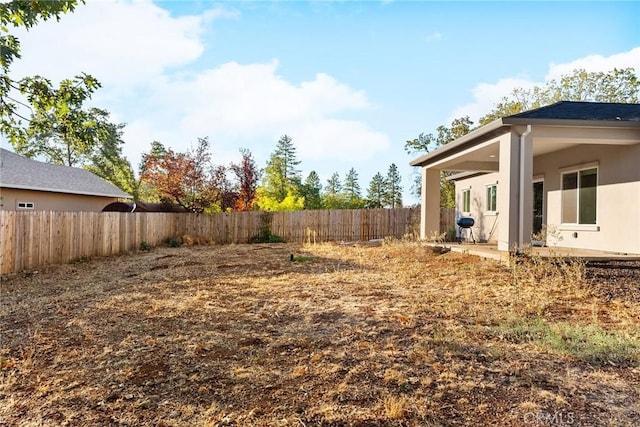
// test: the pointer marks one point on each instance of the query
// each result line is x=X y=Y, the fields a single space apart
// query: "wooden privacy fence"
x=32 y=239
x=447 y=219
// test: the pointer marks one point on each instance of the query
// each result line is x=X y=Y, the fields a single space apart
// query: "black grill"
x=466 y=222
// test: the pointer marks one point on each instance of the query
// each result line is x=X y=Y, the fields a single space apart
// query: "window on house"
x=466 y=200
x=26 y=205
x=492 y=191
x=579 y=196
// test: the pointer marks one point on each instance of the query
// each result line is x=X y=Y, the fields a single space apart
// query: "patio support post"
x=430 y=208
x=526 y=187
x=508 y=192
x=515 y=190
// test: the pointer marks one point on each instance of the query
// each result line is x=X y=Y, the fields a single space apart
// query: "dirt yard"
x=352 y=335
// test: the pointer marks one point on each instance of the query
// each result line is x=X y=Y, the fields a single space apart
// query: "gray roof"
x=570 y=110
x=26 y=174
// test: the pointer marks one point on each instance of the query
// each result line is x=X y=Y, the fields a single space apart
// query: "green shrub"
x=145 y=246
x=174 y=242
x=264 y=235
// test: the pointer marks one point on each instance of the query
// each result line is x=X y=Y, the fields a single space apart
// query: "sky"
x=348 y=81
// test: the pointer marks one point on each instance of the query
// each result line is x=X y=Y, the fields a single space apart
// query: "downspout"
x=133 y=209
x=523 y=137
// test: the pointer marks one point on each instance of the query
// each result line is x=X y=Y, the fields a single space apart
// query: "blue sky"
x=349 y=81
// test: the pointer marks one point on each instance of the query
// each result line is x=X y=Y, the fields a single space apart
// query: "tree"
x=146 y=191
x=334 y=185
x=393 y=188
x=351 y=186
x=247 y=176
x=286 y=151
x=351 y=190
x=62 y=132
x=333 y=197
x=376 y=191
x=281 y=177
x=424 y=143
x=225 y=195
x=291 y=202
x=458 y=128
x=619 y=85
x=108 y=162
x=60 y=129
x=16 y=14
x=182 y=178
x=311 y=190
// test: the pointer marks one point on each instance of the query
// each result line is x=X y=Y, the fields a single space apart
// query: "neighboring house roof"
x=26 y=174
x=567 y=113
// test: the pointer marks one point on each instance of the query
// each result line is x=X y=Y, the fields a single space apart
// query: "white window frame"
x=495 y=208
x=465 y=192
x=26 y=205
x=576 y=226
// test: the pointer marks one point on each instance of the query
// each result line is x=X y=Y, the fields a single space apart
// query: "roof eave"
x=57 y=190
x=518 y=121
x=465 y=139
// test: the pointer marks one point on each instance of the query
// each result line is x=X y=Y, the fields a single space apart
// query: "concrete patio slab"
x=490 y=251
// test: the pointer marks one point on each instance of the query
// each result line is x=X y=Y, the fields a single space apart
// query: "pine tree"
x=311 y=191
x=376 y=191
x=334 y=186
x=333 y=197
x=281 y=177
x=393 y=188
x=351 y=190
x=286 y=152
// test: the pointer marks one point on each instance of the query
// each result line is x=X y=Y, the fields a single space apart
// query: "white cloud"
x=238 y=103
x=251 y=99
x=597 y=63
x=485 y=95
x=119 y=42
x=143 y=56
x=349 y=141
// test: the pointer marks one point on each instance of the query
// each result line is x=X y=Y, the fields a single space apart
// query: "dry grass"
x=343 y=335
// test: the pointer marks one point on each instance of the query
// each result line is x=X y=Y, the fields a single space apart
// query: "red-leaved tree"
x=248 y=176
x=182 y=178
x=227 y=193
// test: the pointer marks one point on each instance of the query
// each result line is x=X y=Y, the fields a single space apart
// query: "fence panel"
x=447 y=219
x=32 y=239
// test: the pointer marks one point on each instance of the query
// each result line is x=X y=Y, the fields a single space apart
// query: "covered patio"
x=598 y=148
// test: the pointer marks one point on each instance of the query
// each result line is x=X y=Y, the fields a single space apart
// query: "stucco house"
x=571 y=168
x=28 y=185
